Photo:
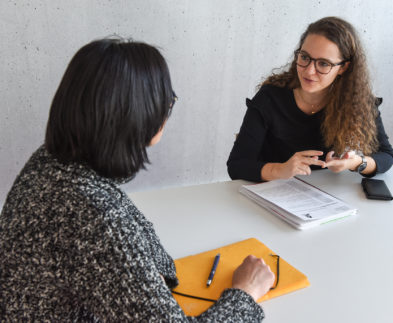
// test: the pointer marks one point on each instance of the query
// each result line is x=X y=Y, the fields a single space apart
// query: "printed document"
x=300 y=203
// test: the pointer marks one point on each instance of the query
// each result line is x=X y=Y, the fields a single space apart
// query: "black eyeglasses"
x=174 y=99
x=321 y=65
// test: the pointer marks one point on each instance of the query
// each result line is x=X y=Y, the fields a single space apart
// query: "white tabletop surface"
x=349 y=262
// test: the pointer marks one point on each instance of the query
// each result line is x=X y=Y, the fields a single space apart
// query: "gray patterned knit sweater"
x=74 y=248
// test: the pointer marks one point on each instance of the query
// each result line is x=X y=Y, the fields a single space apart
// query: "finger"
x=334 y=163
x=344 y=156
x=347 y=155
x=269 y=269
x=350 y=154
x=310 y=153
x=259 y=262
x=331 y=163
x=323 y=165
x=250 y=257
x=329 y=155
x=313 y=161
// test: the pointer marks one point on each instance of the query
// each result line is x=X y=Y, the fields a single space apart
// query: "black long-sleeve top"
x=74 y=248
x=274 y=128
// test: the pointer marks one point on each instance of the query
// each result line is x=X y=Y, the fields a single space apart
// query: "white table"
x=349 y=262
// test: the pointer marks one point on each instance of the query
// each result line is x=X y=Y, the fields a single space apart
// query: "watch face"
x=363 y=165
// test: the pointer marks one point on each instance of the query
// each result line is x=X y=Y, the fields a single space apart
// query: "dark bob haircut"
x=114 y=97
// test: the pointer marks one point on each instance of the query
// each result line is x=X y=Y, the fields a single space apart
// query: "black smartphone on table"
x=376 y=189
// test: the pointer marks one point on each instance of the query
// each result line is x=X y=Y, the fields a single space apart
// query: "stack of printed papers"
x=299 y=203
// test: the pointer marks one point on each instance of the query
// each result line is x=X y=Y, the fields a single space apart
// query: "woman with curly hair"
x=320 y=113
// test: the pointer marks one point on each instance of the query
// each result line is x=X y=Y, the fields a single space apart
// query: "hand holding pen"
x=253 y=276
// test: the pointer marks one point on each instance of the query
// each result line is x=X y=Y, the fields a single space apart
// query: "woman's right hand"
x=253 y=276
x=298 y=164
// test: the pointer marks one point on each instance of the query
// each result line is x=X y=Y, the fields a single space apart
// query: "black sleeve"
x=384 y=156
x=243 y=160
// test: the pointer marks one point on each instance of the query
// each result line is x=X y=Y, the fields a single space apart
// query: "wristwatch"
x=363 y=165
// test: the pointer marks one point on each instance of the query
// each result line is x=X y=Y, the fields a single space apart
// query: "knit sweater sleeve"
x=121 y=279
x=74 y=248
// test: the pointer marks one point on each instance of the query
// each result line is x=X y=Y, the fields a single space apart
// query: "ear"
x=157 y=136
x=343 y=68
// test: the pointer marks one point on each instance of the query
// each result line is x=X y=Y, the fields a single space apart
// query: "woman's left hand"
x=348 y=161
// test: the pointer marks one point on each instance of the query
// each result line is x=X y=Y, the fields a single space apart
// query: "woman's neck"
x=310 y=103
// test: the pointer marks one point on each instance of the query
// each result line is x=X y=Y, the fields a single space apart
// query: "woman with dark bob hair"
x=321 y=112
x=73 y=245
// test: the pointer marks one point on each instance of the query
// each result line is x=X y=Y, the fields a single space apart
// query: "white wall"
x=217 y=52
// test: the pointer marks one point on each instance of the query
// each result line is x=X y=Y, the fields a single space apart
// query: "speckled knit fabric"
x=74 y=248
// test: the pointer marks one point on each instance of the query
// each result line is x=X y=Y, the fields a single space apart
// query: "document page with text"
x=298 y=199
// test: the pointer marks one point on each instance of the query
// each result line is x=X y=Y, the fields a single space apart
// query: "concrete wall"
x=217 y=52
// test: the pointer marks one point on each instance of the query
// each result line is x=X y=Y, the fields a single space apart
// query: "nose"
x=310 y=69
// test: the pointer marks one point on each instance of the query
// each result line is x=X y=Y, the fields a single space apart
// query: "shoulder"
x=73 y=194
x=271 y=93
x=378 y=101
x=111 y=205
x=270 y=97
x=271 y=90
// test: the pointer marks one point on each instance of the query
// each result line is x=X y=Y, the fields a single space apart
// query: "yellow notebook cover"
x=193 y=272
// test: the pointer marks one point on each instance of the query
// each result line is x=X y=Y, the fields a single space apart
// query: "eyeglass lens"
x=322 y=66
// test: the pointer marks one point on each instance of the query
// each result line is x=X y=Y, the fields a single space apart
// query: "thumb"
x=349 y=154
x=329 y=155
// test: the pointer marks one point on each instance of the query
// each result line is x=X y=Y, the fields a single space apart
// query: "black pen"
x=213 y=271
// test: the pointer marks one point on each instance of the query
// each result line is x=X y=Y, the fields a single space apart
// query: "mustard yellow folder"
x=193 y=272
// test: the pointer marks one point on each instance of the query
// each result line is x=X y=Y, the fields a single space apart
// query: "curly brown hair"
x=349 y=116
